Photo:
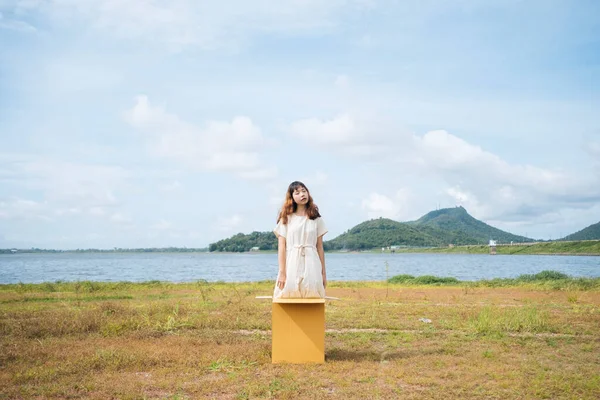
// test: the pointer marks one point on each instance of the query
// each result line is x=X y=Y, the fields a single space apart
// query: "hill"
x=381 y=232
x=457 y=226
x=592 y=232
x=436 y=228
x=241 y=242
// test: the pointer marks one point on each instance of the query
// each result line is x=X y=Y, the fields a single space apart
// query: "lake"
x=185 y=267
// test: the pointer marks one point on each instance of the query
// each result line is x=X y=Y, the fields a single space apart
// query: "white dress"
x=303 y=266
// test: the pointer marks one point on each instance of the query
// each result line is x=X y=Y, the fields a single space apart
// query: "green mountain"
x=456 y=226
x=381 y=232
x=437 y=228
x=592 y=232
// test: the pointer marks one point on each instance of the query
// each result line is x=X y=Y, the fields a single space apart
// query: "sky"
x=155 y=123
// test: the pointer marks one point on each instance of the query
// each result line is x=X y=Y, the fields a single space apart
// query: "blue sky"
x=177 y=123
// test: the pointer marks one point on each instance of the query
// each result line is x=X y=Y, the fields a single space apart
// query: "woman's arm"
x=281 y=257
x=321 y=253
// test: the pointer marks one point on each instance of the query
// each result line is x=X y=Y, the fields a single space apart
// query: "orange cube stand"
x=298 y=331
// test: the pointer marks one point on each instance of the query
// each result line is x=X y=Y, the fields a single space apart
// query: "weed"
x=205 y=288
x=572 y=298
x=495 y=321
x=223 y=364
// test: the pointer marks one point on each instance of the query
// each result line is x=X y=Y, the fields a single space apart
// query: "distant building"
x=255 y=248
x=492 y=247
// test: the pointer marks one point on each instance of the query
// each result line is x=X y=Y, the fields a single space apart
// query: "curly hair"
x=290 y=206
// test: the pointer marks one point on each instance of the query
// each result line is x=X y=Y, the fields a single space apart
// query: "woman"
x=300 y=231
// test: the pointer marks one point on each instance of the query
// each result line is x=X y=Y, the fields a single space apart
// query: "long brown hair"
x=290 y=206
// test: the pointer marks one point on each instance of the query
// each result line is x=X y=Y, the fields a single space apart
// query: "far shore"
x=555 y=248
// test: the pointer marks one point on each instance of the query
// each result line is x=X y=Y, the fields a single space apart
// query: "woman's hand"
x=324 y=280
x=281 y=279
x=281 y=258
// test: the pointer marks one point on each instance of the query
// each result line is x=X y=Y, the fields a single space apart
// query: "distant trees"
x=114 y=250
x=241 y=242
x=592 y=232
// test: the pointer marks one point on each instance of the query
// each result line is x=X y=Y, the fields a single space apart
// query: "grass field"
x=532 y=338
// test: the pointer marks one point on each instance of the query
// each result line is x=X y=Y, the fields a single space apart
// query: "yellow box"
x=298 y=331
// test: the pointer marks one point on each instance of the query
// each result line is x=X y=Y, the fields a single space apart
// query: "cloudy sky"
x=150 y=123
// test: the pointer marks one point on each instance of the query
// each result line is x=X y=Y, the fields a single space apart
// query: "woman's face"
x=300 y=195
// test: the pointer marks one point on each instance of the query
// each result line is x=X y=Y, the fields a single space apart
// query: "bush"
x=422 y=280
x=544 y=276
x=400 y=278
x=434 y=280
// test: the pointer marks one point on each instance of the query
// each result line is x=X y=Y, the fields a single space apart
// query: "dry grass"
x=187 y=341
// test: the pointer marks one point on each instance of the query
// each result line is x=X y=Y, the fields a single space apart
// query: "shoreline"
x=562 y=248
x=544 y=279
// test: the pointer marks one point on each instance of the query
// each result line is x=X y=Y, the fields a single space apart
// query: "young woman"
x=300 y=231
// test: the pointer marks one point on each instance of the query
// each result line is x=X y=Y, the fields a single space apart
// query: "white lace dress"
x=303 y=266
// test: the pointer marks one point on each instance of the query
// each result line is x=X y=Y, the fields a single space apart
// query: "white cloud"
x=449 y=155
x=339 y=130
x=15 y=25
x=228 y=224
x=184 y=23
x=24 y=209
x=59 y=189
x=487 y=185
x=378 y=205
x=398 y=207
x=218 y=146
x=490 y=187
x=353 y=135
x=462 y=198
x=68 y=183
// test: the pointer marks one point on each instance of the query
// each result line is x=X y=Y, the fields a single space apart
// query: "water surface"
x=185 y=267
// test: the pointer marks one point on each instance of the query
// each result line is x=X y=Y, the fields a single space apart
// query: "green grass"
x=545 y=279
x=495 y=321
x=59 y=299
x=422 y=280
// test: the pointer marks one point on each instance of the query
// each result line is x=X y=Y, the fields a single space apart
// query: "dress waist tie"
x=302 y=247
x=301 y=266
